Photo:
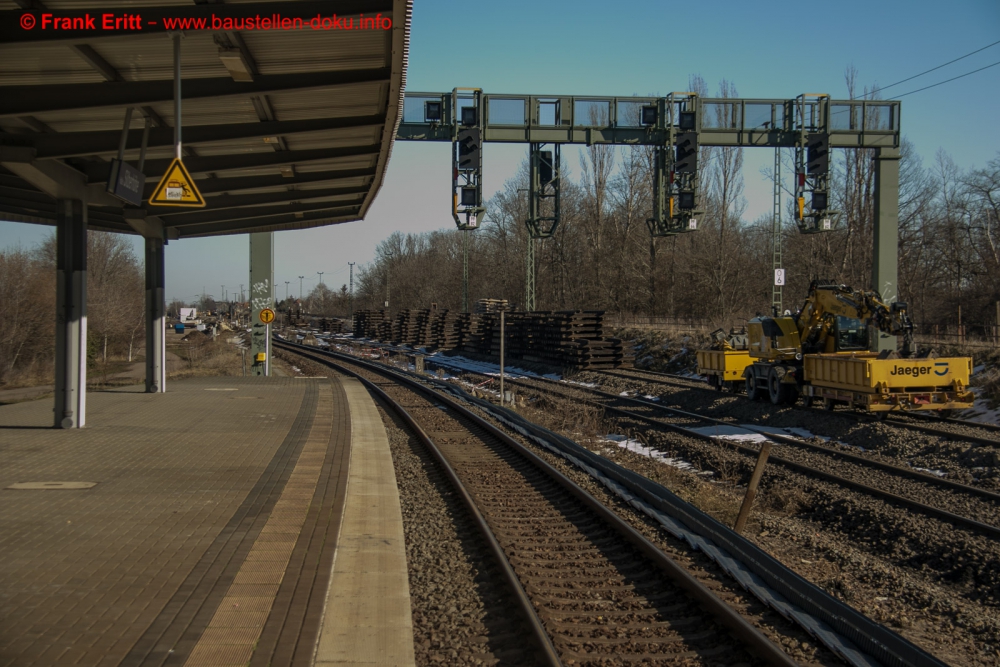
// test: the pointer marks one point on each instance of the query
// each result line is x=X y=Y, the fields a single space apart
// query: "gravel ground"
x=959 y=502
x=461 y=609
x=937 y=588
x=963 y=461
x=796 y=641
x=934 y=585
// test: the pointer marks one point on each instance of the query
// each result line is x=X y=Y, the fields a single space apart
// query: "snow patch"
x=980 y=412
x=727 y=432
x=637 y=447
x=797 y=432
x=930 y=471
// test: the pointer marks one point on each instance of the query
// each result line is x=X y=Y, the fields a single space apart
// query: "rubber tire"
x=807 y=401
x=945 y=414
x=777 y=390
x=753 y=391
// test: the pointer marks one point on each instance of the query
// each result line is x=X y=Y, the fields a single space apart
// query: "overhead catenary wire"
x=960 y=76
x=910 y=78
x=933 y=85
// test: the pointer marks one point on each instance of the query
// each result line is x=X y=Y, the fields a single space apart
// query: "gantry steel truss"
x=808 y=123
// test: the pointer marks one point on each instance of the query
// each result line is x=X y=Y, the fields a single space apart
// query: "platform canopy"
x=281 y=128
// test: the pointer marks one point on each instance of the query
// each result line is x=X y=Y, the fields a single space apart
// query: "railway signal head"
x=545 y=167
x=469 y=116
x=818 y=153
x=470 y=196
x=687 y=153
x=819 y=201
x=432 y=112
x=469 y=149
x=686 y=120
x=648 y=116
x=685 y=200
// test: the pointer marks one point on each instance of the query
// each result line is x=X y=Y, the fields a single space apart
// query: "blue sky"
x=775 y=49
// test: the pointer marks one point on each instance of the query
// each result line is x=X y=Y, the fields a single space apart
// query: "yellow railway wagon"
x=722 y=366
x=864 y=380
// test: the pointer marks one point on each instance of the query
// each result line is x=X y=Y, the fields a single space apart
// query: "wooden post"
x=960 y=323
x=501 y=355
x=758 y=472
x=996 y=326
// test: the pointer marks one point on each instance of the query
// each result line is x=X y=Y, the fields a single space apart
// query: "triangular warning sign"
x=177 y=188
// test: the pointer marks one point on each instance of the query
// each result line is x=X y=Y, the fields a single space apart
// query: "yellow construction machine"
x=822 y=353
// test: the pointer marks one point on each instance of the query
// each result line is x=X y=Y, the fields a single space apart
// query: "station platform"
x=229 y=521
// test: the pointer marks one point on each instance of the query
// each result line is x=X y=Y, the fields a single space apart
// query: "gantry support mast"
x=776 y=289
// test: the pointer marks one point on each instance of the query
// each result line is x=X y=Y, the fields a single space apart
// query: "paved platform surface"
x=208 y=539
x=367 y=619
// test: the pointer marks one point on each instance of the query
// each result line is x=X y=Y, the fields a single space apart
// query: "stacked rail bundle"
x=568 y=339
x=477 y=337
x=571 y=339
x=467 y=326
x=366 y=323
x=407 y=326
x=576 y=339
x=491 y=305
x=426 y=336
x=455 y=329
x=331 y=325
x=445 y=330
x=384 y=331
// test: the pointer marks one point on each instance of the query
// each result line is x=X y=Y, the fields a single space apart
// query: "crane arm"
x=826 y=302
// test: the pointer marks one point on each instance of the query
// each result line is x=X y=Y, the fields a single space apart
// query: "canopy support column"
x=71 y=314
x=156 y=350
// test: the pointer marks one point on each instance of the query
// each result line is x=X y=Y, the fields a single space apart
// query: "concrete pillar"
x=261 y=297
x=885 y=261
x=71 y=314
x=156 y=348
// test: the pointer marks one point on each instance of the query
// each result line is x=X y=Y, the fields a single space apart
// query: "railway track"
x=600 y=598
x=600 y=593
x=979 y=506
x=949 y=427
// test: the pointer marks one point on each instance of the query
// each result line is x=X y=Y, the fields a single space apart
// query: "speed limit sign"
x=779 y=277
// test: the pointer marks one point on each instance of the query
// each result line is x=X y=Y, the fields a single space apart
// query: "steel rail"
x=796 y=442
x=787 y=592
x=549 y=654
x=930 y=510
x=726 y=615
x=980 y=440
x=953 y=420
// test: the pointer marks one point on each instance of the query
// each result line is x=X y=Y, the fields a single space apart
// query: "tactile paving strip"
x=232 y=634
x=171 y=637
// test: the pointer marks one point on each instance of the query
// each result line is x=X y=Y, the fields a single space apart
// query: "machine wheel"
x=828 y=404
x=807 y=401
x=776 y=389
x=753 y=392
x=945 y=414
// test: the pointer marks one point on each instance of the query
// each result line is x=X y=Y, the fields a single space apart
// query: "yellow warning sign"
x=267 y=316
x=177 y=188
